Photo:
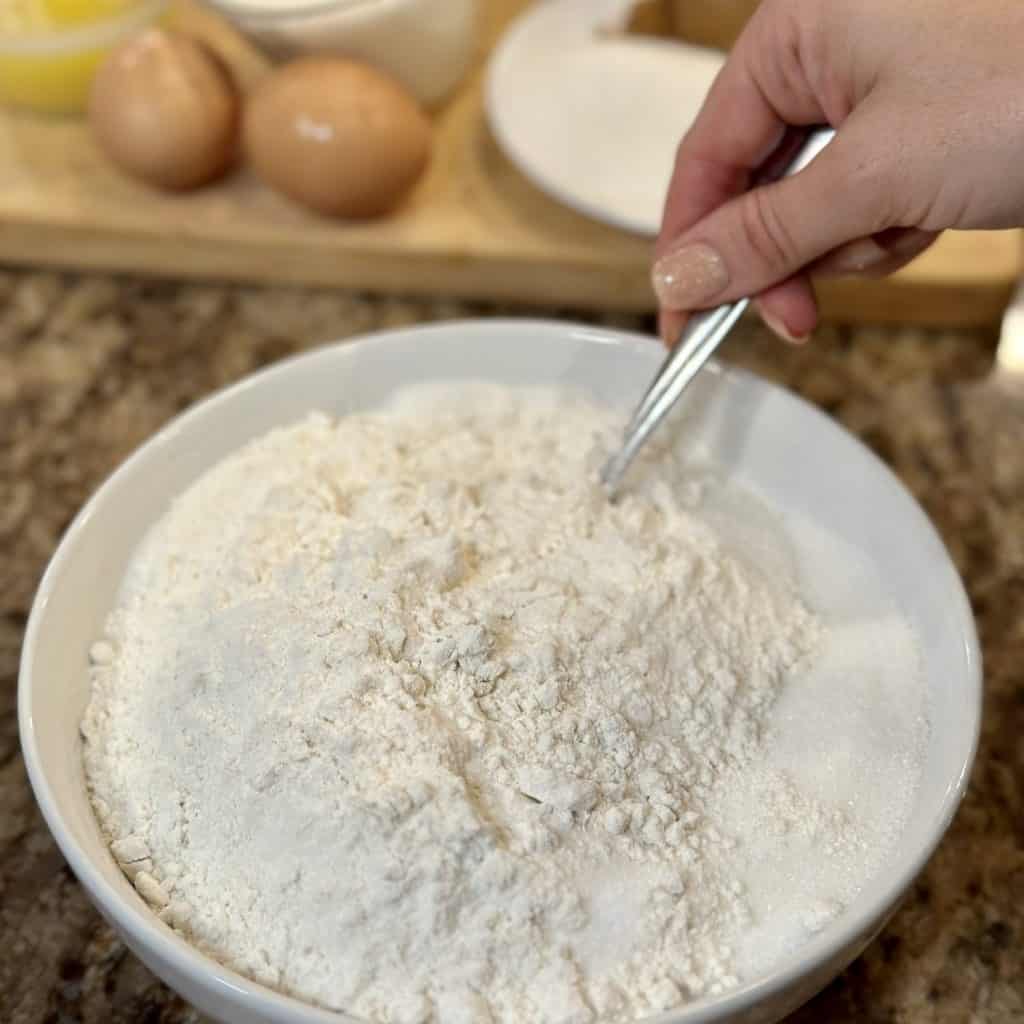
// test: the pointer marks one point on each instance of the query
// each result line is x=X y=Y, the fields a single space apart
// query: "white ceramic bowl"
x=773 y=441
x=428 y=45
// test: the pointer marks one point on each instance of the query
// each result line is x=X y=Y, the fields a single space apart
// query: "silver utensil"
x=991 y=410
x=1008 y=373
x=703 y=333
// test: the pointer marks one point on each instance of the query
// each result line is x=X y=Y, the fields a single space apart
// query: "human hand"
x=928 y=100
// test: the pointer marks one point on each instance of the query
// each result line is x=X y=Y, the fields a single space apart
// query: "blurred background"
x=191 y=190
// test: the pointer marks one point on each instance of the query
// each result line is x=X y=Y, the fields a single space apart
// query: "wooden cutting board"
x=474 y=227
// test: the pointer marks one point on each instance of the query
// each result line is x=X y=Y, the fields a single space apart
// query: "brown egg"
x=165 y=110
x=336 y=135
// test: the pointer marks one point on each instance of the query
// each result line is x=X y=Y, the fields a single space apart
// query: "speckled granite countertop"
x=90 y=366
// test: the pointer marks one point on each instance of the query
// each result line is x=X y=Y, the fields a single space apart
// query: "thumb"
x=772 y=232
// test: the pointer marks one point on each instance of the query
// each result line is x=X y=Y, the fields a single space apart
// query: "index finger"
x=760 y=91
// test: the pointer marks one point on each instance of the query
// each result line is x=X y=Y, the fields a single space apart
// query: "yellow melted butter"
x=18 y=16
x=55 y=82
x=23 y=15
x=75 y=12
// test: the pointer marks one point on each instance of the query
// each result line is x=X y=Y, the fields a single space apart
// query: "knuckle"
x=764 y=232
x=877 y=192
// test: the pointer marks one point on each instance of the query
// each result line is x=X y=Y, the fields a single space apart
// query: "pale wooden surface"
x=473 y=227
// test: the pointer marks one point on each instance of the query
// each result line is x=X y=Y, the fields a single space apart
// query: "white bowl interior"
x=787 y=450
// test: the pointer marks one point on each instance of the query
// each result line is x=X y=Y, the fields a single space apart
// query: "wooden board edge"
x=501 y=280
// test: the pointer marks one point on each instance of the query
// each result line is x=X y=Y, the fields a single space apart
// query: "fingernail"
x=688 y=277
x=776 y=326
x=670 y=325
x=856 y=257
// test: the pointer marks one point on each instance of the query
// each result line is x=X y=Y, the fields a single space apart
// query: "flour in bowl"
x=399 y=715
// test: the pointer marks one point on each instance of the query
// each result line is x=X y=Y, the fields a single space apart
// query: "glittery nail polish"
x=689 y=277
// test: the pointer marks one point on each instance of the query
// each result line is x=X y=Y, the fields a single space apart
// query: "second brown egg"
x=337 y=136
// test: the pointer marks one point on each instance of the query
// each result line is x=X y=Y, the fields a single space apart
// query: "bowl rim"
x=175 y=952
x=84 y=36
x=286 y=11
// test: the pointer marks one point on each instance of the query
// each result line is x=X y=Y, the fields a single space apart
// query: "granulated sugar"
x=399 y=715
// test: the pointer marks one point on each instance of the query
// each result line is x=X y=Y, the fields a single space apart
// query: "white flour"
x=399 y=715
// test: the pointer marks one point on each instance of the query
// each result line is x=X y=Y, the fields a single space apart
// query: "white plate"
x=595 y=120
x=781 y=447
